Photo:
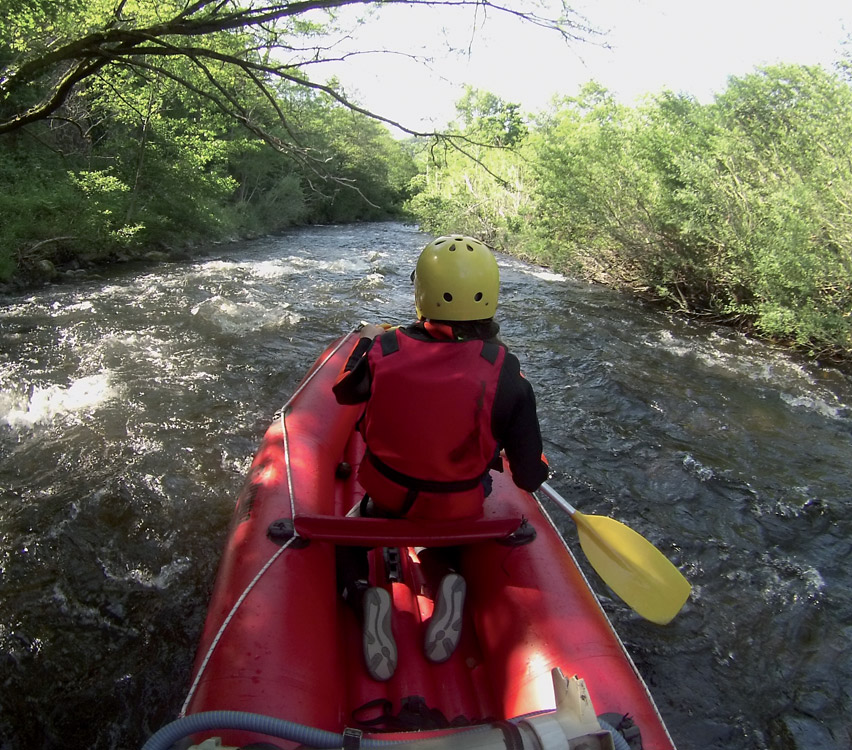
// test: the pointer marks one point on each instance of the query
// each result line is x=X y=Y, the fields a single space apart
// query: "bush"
x=739 y=209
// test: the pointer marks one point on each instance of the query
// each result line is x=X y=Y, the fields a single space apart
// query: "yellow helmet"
x=456 y=278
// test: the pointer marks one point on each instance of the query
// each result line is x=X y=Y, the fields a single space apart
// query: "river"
x=131 y=404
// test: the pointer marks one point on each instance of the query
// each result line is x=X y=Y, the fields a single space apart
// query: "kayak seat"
x=358 y=531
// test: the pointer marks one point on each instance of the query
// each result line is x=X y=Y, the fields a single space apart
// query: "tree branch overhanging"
x=60 y=69
x=199 y=34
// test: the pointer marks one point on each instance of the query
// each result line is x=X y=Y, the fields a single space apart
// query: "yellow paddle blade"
x=632 y=567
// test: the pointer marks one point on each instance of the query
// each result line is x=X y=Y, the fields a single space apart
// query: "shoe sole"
x=444 y=629
x=380 y=653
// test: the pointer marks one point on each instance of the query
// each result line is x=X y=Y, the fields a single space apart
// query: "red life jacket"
x=427 y=425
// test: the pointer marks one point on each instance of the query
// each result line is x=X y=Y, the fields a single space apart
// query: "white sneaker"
x=444 y=629
x=380 y=652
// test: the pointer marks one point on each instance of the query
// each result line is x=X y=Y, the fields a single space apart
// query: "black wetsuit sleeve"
x=353 y=384
x=516 y=427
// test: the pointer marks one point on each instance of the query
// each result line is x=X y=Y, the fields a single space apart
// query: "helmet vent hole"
x=448 y=297
x=452 y=248
x=470 y=248
x=477 y=297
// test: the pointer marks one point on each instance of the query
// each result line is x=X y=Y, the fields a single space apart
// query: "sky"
x=689 y=46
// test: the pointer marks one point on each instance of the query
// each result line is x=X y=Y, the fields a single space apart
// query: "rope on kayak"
x=283 y=413
x=310 y=377
x=226 y=622
x=280 y=550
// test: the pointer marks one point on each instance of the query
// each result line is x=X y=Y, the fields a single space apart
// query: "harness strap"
x=389 y=343
x=512 y=736
x=408 y=503
x=421 y=485
x=352 y=738
x=490 y=351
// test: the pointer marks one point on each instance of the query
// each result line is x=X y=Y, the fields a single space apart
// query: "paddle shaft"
x=557 y=498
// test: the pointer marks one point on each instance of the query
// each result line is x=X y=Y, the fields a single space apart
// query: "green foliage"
x=477 y=183
x=789 y=174
x=269 y=195
x=591 y=199
x=144 y=155
x=37 y=198
x=138 y=125
x=370 y=169
x=488 y=119
x=741 y=209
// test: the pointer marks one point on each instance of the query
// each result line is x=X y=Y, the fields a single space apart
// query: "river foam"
x=34 y=405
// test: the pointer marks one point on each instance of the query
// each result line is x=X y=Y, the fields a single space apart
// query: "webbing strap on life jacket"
x=415 y=486
x=421 y=485
x=390 y=345
x=490 y=351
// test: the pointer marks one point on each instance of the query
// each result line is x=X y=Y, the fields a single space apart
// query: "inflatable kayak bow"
x=280 y=659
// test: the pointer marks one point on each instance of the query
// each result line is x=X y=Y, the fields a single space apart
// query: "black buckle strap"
x=421 y=485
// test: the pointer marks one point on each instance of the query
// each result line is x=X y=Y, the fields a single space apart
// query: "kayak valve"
x=573 y=724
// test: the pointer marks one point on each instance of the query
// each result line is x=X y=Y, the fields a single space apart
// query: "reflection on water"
x=130 y=408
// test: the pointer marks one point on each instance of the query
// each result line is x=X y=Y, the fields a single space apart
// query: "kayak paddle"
x=628 y=563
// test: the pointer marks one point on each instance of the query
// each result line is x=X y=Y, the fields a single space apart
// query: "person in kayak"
x=443 y=397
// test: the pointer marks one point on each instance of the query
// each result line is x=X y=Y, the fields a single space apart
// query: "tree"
x=479 y=186
x=51 y=53
x=591 y=196
x=787 y=168
x=488 y=119
x=138 y=122
x=740 y=210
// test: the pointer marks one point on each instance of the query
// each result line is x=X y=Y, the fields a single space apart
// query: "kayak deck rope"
x=226 y=622
x=283 y=413
x=290 y=490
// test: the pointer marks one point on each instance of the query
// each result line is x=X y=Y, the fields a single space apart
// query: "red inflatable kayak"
x=280 y=659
